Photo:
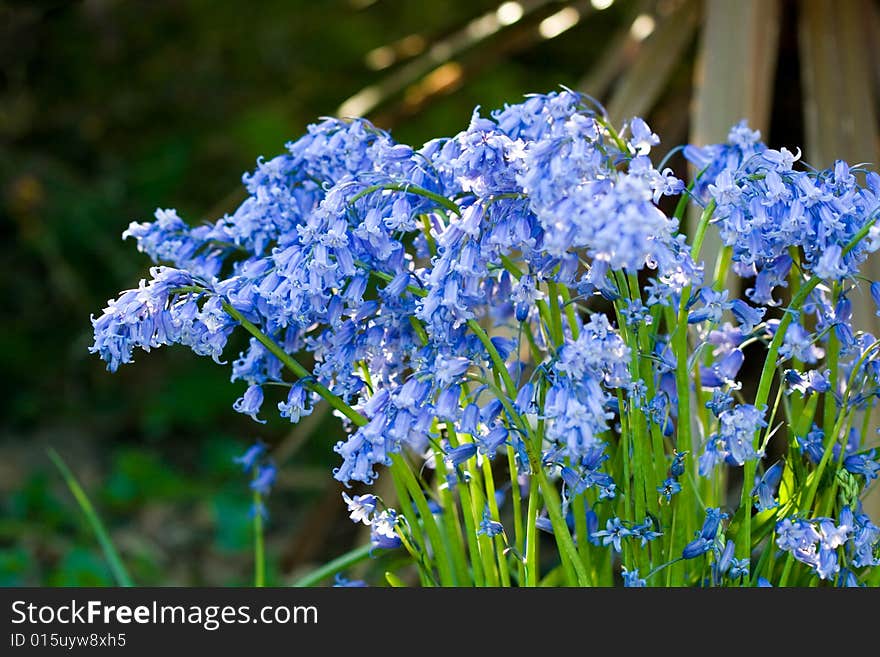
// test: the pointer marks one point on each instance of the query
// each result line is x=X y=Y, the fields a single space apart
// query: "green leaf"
x=120 y=574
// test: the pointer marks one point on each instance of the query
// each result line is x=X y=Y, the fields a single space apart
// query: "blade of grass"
x=339 y=564
x=120 y=573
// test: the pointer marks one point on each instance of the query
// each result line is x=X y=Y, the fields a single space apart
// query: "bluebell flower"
x=631 y=578
x=696 y=547
x=383 y=531
x=863 y=464
x=809 y=382
x=724 y=560
x=723 y=372
x=642 y=138
x=525 y=398
x=747 y=316
x=721 y=401
x=714 y=305
x=339 y=581
x=704 y=540
x=361 y=507
x=264 y=478
x=250 y=402
x=492 y=442
x=636 y=313
x=739 y=568
x=676 y=469
x=469 y=419
x=875 y=295
x=727 y=564
x=251 y=457
x=156 y=315
x=865 y=540
x=573 y=481
x=766 y=485
x=711 y=523
x=812 y=444
x=668 y=488
x=827 y=565
x=544 y=524
x=298 y=404
x=734 y=442
x=488 y=526
x=644 y=532
x=447 y=407
x=613 y=533
x=455 y=456
x=800 y=345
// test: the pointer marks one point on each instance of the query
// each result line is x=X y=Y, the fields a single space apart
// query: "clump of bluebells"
x=512 y=325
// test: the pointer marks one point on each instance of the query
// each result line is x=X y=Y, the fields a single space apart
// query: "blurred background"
x=110 y=109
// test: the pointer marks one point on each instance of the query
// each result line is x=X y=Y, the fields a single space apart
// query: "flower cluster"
x=517 y=303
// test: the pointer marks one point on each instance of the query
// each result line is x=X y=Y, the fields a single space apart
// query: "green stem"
x=471 y=519
x=744 y=538
x=117 y=567
x=442 y=201
x=405 y=506
x=444 y=563
x=259 y=540
x=489 y=481
x=568 y=552
x=451 y=521
x=291 y=364
x=516 y=500
x=531 y=564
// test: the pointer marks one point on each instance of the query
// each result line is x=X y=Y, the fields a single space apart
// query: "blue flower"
x=724 y=371
x=492 y=442
x=383 y=531
x=644 y=532
x=250 y=402
x=729 y=565
x=676 y=469
x=812 y=444
x=714 y=305
x=705 y=538
x=800 y=345
x=747 y=316
x=863 y=464
x=696 y=547
x=613 y=533
x=668 y=488
x=544 y=524
x=488 y=526
x=734 y=442
x=642 y=138
x=339 y=581
x=573 y=481
x=721 y=401
x=264 y=478
x=875 y=295
x=250 y=458
x=631 y=578
x=361 y=507
x=766 y=485
x=455 y=456
x=297 y=405
x=809 y=382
